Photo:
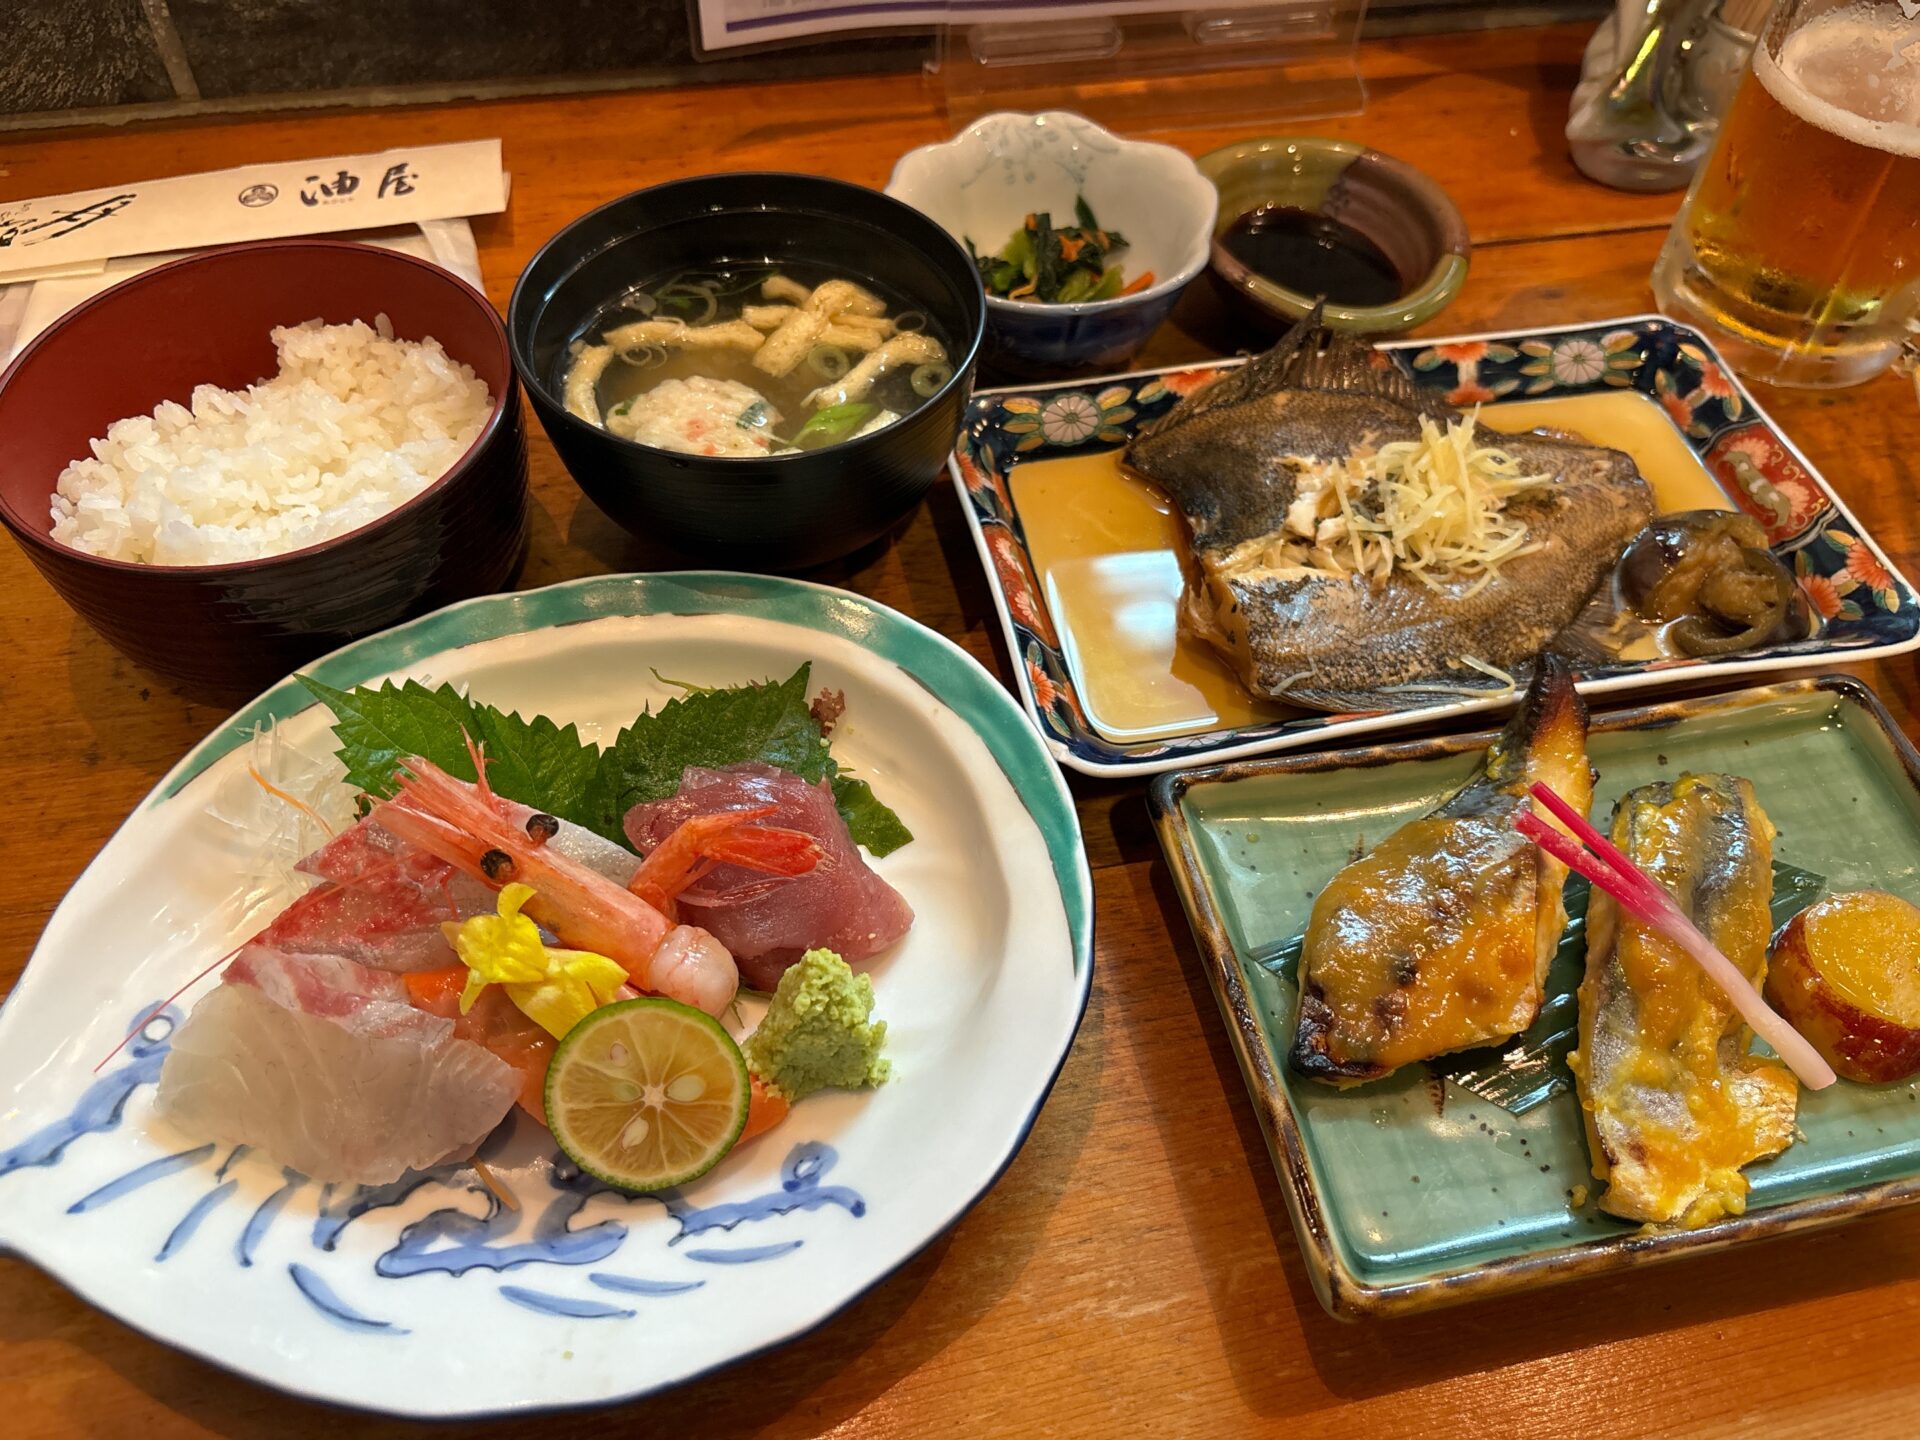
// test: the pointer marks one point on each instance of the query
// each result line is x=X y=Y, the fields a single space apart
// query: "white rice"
x=355 y=423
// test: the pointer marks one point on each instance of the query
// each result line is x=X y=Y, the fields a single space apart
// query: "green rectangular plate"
x=1411 y=1192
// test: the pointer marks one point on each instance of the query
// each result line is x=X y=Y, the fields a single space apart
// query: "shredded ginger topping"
x=1435 y=507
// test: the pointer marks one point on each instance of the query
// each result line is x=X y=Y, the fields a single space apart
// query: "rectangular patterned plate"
x=1869 y=607
x=1415 y=1191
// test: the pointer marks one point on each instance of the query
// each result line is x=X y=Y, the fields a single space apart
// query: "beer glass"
x=1798 y=248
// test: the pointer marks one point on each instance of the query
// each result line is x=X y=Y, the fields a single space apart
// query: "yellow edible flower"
x=556 y=989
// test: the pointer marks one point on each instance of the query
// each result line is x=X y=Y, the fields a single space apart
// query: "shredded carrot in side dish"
x=1139 y=283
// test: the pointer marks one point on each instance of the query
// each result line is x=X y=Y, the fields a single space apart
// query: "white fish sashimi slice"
x=321 y=1063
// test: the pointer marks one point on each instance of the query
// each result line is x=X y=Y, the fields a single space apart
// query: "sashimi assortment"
x=462 y=950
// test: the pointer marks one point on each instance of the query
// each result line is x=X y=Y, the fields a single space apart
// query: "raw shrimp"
x=472 y=829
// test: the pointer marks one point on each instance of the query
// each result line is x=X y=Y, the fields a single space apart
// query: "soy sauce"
x=1314 y=255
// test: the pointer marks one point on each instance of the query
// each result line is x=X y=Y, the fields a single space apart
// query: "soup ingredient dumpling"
x=698 y=416
x=1675 y=1104
x=740 y=364
x=1439 y=938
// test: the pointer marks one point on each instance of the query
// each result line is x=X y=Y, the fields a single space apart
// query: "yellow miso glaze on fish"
x=1439 y=938
x=1106 y=546
x=1675 y=1105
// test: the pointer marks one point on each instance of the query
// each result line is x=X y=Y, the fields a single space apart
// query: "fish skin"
x=1229 y=456
x=1675 y=1107
x=1439 y=939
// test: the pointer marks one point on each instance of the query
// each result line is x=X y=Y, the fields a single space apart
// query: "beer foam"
x=1879 y=63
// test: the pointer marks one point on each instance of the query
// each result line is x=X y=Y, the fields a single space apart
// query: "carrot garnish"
x=1608 y=869
x=300 y=805
x=766 y=1108
x=436 y=991
x=500 y=1192
x=1140 y=282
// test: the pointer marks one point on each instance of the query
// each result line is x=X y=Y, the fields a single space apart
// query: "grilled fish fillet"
x=1675 y=1105
x=1440 y=938
x=1230 y=455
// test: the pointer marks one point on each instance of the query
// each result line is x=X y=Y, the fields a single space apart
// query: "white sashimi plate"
x=428 y=1298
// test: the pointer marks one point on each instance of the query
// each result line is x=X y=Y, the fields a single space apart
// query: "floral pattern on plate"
x=1869 y=607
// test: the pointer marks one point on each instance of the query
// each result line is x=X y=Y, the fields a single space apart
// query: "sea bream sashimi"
x=379 y=901
x=324 y=1064
x=839 y=905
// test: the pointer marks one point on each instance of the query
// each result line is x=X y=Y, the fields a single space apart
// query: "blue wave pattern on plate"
x=104 y=1101
x=447 y=1241
x=1863 y=601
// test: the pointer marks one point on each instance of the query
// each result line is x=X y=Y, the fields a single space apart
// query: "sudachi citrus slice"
x=647 y=1093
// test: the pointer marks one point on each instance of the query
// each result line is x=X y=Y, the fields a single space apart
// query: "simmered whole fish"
x=1439 y=938
x=1236 y=456
x=1675 y=1105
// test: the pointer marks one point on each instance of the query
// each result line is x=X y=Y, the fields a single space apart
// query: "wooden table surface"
x=1135 y=1270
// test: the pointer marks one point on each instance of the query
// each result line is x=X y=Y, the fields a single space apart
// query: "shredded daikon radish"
x=1435 y=507
x=1492 y=672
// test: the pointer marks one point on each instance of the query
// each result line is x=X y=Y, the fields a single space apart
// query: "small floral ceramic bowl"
x=1406 y=215
x=982 y=184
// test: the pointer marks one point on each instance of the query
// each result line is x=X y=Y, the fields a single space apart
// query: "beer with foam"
x=1798 y=248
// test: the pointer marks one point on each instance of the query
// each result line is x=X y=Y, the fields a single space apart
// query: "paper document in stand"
x=725 y=24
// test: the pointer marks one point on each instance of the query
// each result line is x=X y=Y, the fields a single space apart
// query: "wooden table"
x=1134 y=1271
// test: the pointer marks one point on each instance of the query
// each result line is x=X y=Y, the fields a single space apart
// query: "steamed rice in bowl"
x=355 y=423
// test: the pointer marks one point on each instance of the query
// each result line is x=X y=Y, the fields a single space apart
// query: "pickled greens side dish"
x=1058 y=266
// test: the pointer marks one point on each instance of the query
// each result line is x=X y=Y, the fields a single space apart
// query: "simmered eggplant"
x=1709 y=583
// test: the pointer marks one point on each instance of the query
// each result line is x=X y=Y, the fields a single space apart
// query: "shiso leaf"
x=539 y=763
x=533 y=761
x=870 y=823
x=713 y=728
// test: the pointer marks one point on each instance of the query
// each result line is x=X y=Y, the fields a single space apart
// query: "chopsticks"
x=1602 y=862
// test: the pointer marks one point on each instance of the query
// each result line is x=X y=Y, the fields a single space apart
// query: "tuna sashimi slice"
x=321 y=1063
x=768 y=924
